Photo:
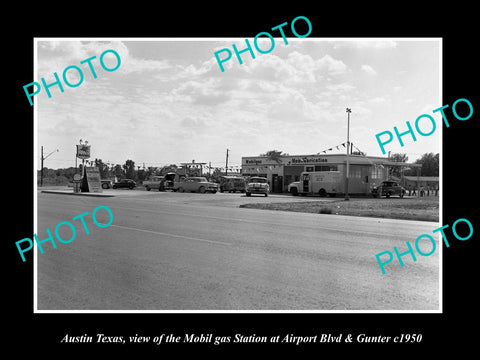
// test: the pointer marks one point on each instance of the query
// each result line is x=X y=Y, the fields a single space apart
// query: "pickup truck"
x=153 y=183
x=106 y=184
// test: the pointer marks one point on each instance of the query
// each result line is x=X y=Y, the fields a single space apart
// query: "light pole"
x=226 y=164
x=41 y=170
x=348 y=149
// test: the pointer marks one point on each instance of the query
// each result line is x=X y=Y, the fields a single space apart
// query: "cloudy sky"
x=168 y=102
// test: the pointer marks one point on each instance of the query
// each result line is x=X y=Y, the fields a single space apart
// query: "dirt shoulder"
x=423 y=209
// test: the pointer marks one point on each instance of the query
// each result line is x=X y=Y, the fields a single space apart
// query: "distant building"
x=191 y=169
x=432 y=182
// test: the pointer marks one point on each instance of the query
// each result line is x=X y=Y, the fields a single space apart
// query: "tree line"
x=430 y=165
x=111 y=171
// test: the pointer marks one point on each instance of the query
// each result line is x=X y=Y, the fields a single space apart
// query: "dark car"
x=232 y=184
x=387 y=189
x=124 y=183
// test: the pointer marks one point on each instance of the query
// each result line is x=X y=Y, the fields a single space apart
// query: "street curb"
x=77 y=194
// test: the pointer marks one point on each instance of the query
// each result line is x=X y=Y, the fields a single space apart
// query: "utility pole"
x=41 y=170
x=43 y=158
x=226 y=164
x=348 y=150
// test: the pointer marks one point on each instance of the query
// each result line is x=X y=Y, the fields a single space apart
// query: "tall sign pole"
x=226 y=165
x=83 y=152
x=41 y=171
x=348 y=150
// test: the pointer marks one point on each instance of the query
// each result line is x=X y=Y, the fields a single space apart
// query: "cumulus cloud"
x=200 y=92
x=331 y=65
x=365 y=43
x=368 y=69
x=378 y=100
x=54 y=56
x=295 y=95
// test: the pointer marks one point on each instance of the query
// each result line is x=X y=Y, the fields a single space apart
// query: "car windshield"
x=258 y=180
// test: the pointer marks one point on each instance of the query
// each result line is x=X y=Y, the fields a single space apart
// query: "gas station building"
x=364 y=171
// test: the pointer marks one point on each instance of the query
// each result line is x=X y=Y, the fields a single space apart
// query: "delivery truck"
x=321 y=183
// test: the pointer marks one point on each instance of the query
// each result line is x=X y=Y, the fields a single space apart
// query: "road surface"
x=172 y=251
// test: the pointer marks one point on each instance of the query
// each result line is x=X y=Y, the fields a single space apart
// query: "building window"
x=326 y=168
x=377 y=172
x=355 y=172
x=309 y=168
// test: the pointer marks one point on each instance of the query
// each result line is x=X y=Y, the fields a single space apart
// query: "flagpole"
x=348 y=146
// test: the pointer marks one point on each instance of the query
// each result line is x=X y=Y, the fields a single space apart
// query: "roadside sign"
x=83 y=151
x=92 y=178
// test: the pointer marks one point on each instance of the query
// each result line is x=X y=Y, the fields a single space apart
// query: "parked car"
x=169 y=181
x=232 y=184
x=124 y=183
x=195 y=184
x=387 y=189
x=106 y=184
x=154 y=182
x=257 y=185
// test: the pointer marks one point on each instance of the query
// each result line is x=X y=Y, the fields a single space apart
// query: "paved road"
x=170 y=251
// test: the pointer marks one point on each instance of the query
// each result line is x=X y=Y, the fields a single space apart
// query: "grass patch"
x=423 y=209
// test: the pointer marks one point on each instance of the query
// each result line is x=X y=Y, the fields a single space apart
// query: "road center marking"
x=172 y=235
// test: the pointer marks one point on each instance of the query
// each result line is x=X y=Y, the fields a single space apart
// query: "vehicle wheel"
x=148 y=188
x=114 y=187
x=401 y=194
x=180 y=189
x=214 y=192
x=201 y=189
x=104 y=186
x=303 y=194
x=322 y=193
x=388 y=194
x=131 y=187
x=248 y=194
x=266 y=194
x=294 y=191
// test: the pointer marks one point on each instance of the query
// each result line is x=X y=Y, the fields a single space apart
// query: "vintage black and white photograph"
x=271 y=174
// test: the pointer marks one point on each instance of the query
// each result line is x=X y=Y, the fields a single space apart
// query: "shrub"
x=325 y=210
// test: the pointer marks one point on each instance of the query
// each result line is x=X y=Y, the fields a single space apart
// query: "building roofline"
x=377 y=160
